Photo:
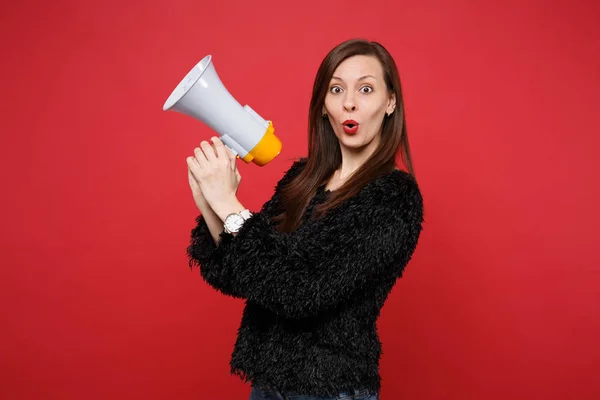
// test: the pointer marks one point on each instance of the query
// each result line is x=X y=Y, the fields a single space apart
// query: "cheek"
x=373 y=109
x=330 y=105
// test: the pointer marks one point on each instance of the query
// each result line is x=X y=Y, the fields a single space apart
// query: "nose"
x=349 y=103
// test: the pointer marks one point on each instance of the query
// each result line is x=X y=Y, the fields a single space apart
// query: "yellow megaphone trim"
x=266 y=149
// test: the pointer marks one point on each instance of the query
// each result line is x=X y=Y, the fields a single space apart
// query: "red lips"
x=350 y=126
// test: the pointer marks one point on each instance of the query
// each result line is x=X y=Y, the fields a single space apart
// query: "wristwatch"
x=234 y=221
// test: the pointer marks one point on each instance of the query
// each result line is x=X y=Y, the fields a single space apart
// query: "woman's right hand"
x=199 y=198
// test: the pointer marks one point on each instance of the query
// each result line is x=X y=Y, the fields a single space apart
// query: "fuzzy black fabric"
x=313 y=296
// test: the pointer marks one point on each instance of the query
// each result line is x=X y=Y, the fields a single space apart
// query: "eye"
x=370 y=89
x=335 y=89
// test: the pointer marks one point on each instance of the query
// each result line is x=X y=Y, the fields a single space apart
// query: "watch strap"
x=245 y=214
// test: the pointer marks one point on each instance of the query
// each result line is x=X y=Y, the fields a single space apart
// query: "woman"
x=318 y=261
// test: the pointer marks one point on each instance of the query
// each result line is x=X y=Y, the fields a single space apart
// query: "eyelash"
x=333 y=87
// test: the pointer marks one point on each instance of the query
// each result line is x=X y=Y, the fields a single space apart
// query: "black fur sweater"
x=313 y=296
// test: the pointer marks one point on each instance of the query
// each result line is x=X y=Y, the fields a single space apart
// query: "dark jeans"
x=267 y=393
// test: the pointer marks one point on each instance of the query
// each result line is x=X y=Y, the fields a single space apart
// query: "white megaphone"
x=201 y=95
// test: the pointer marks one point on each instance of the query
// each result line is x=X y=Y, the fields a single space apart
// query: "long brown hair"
x=324 y=155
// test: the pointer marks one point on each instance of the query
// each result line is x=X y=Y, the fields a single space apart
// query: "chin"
x=357 y=141
x=354 y=142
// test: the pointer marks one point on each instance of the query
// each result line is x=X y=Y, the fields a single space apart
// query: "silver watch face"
x=233 y=222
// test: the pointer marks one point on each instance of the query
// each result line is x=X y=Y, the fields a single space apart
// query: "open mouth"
x=350 y=127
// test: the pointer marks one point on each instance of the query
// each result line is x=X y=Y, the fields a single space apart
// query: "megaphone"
x=202 y=95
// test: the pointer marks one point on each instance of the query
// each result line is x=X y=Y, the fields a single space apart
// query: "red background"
x=501 y=299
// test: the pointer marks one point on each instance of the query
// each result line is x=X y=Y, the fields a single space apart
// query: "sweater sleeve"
x=319 y=266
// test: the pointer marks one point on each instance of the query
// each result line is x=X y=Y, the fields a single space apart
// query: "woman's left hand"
x=215 y=170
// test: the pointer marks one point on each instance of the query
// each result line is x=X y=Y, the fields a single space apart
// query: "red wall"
x=502 y=297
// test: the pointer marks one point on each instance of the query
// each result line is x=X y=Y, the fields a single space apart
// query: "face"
x=357 y=101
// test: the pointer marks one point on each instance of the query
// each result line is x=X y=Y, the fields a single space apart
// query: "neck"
x=352 y=159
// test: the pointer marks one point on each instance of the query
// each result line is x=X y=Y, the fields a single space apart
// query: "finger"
x=230 y=156
x=223 y=152
x=208 y=151
x=193 y=182
x=194 y=167
x=200 y=158
x=220 y=148
x=191 y=162
x=214 y=149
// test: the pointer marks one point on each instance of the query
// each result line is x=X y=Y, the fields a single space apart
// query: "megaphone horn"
x=202 y=95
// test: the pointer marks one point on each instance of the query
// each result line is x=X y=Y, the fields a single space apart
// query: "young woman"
x=318 y=261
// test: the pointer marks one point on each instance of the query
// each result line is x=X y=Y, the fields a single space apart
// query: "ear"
x=391 y=104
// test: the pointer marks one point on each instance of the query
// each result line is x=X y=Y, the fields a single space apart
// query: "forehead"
x=356 y=67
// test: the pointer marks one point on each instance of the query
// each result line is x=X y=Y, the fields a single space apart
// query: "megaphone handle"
x=235 y=153
x=231 y=144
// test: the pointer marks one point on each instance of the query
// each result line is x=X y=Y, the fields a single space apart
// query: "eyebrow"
x=360 y=79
